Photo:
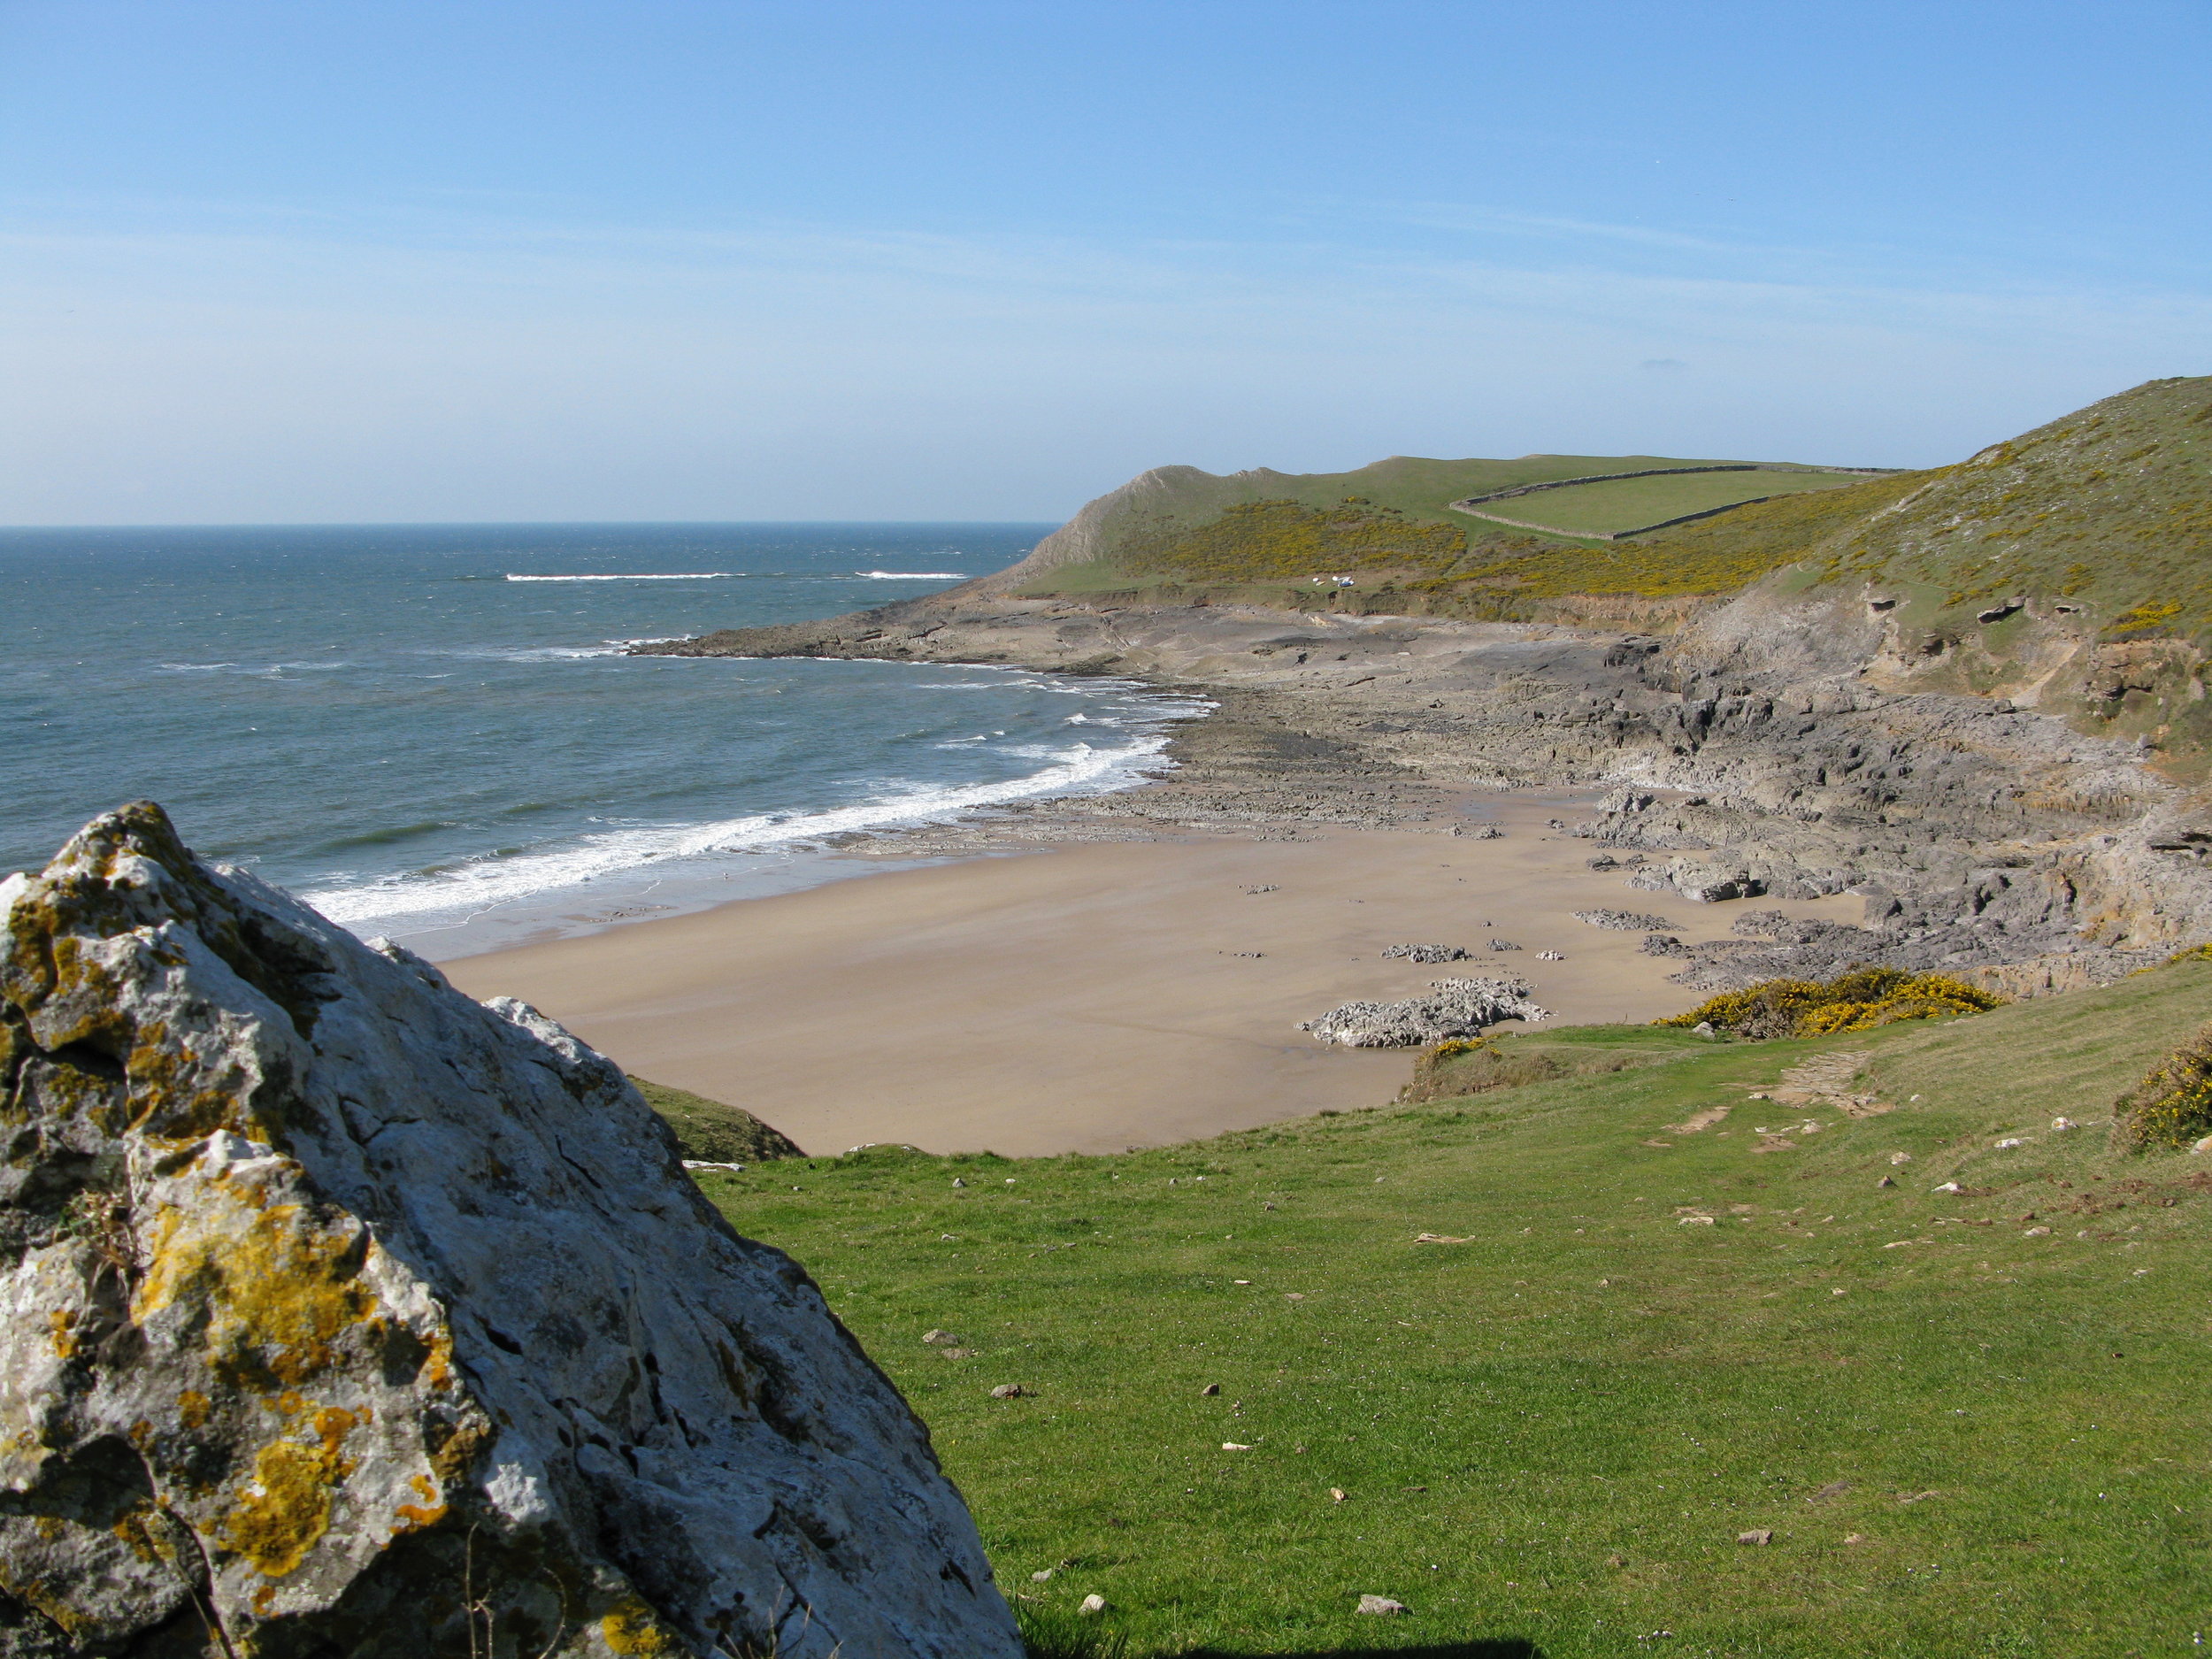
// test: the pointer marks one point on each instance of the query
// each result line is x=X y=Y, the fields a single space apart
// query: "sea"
x=433 y=733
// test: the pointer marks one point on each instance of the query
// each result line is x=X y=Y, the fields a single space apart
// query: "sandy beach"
x=1092 y=997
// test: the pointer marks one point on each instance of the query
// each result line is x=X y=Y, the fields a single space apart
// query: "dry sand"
x=1088 y=998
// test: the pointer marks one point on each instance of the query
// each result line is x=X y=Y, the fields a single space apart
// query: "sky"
x=404 y=261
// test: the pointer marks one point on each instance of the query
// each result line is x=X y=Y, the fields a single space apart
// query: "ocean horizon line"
x=539 y=523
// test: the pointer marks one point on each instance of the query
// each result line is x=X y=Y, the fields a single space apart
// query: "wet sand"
x=1092 y=997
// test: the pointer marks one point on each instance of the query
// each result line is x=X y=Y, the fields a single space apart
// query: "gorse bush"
x=1272 y=541
x=1856 y=1000
x=2172 y=1105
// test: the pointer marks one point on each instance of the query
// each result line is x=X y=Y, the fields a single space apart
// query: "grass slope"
x=2108 y=510
x=715 y=1132
x=2110 y=507
x=1551 y=1434
x=1630 y=503
x=1420 y=488
x=1190 y=526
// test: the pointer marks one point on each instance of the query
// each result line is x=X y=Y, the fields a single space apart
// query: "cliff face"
x=345 y=1315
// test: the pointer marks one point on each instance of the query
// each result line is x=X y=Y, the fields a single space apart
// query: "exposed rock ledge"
x=342 y=1315
x=1784 y=743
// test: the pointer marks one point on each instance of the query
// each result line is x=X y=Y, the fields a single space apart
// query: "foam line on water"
x=624 y=576
x=913 y=576
x=482 y=885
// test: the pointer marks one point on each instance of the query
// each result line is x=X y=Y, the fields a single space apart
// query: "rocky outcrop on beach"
x=1775 y=745
x=345 y=1315
x=1975 y=697
x=1454 y=1008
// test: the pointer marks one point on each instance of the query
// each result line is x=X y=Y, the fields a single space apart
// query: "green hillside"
x=1419 y=488
x=1627 y=1346
x=2110 y=508
x=2108 y=511
x=1393 y=517
x=1615 y=505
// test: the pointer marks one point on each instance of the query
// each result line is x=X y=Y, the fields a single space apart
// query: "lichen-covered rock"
x=341 y=1315
x=1454 y=1008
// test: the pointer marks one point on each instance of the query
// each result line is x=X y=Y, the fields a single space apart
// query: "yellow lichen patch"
x=450 y=1457
x=278 y=1287
x=413 y=1517
x=193 y=1407
x=634 y=1628
x=62 y=1319
x=437 y=1370
x=287 y=1507
x=333 y=1423
x=174 y=1095
x=144 y=1541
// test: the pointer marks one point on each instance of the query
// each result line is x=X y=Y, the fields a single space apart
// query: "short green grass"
x=709 y=1130
x=1550 y=1436
x=1631 y=504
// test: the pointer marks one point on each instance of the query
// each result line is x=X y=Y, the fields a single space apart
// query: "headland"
x=1808 y=730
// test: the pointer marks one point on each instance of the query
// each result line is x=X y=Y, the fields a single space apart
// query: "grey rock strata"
x=1455 y=1008
x=340 y=1314
x=1797 y=742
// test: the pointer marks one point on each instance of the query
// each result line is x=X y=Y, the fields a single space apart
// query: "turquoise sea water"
x=431 y=732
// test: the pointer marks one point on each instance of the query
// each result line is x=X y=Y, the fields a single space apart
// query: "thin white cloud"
x=415 y=364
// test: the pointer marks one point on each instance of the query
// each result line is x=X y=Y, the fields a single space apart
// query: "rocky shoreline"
x=1769 y=746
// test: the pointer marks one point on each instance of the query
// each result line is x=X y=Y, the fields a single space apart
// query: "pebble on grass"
x=1210 y=1389
x=1757 y=1535
x=1008 y=1391
x=1381 y=1607
x=1092 y=1605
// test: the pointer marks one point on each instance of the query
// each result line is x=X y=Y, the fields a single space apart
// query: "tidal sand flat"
x=1088 y=998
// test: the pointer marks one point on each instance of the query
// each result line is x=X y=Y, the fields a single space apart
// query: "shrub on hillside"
x=1859 y=999
x=2172 y=1105
x=1261 y=541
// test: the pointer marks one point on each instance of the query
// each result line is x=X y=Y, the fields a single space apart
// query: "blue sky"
x=667 y=260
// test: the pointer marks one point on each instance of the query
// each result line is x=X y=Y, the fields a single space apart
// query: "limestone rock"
x=1456 y=1007
x=344 y=1315
x=1624 y=921
x=1379 y=1607
x=1430 y=953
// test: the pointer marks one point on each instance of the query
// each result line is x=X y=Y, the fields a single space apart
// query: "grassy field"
x=2104 y=510
x=1630 y=503
x=1418 y=486
x=1550 y=1429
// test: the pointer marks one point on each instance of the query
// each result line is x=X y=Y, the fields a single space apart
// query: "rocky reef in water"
x=344 y=1315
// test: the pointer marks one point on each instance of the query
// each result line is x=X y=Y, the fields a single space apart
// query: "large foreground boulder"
x=341 y=1316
